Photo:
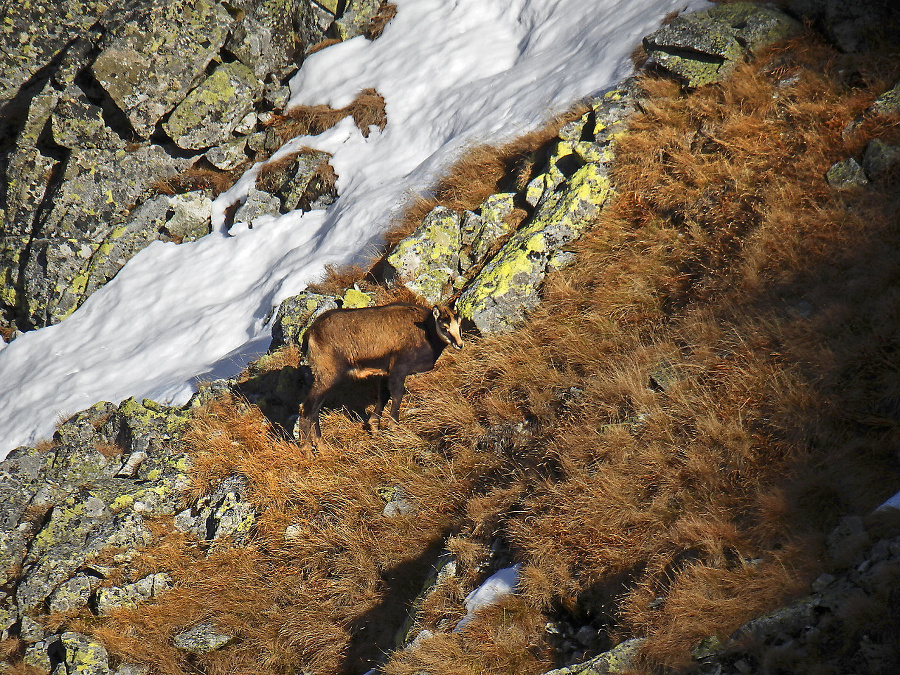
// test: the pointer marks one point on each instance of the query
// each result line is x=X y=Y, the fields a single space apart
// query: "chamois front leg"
x=397 y=386
x=310 y=408
x=383 y=395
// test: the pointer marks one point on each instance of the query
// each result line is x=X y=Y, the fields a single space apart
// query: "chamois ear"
x=436 y=311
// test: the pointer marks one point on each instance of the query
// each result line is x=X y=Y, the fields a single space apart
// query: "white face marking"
x=453 y=330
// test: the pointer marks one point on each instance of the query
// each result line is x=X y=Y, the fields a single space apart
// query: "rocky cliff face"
x=103 y=105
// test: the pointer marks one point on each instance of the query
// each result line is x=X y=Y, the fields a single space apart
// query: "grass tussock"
x=199 y=176
x=367 y=110
x=386 y=12
x=663 y=447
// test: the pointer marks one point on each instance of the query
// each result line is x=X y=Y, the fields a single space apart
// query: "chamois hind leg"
x=383 y=395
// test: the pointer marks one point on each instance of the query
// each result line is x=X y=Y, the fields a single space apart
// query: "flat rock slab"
x=202 y=639
x=211 y=112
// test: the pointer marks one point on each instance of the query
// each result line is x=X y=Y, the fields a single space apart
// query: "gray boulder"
x=306 y=181
x=880 y=159
x=209 y=114
x=295 y=314
x=427 y=261
x=356 y=17
x=271 y=34
x=507 y=288
x=202 y=639
x=224 y=513
x=129 y=595
x=846 y=174
x=704 y=47
x=63 y=505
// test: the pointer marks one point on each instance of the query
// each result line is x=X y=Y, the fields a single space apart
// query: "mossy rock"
x=704 y=47
x=507 y=288
x=427 y=261
x=209 y=113
x=295 y=314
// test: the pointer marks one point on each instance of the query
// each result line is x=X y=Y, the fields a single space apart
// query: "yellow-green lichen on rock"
x=619 y=659
x=209 y=113
x=507 y=287
x=354 y=298
x=295 y=314
x=704 y=47
x=427 y=261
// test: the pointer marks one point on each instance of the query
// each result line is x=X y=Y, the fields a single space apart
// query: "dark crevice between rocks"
x=686 y=53
x=114 y=117
x=50 y=149
x=14 y=114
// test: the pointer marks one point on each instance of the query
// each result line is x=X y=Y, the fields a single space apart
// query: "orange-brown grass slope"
x=680 y=513
x=663 y=446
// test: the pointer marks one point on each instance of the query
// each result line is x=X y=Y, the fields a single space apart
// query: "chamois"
x=391 y=341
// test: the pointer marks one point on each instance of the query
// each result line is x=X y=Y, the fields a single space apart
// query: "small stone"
x=246 y=125
x=846 y=174
x=399 y=505
x=586 y=636
x=257 y=204
x=228 y=155
x=822 y=582
x=202 y=639
x=880 y=159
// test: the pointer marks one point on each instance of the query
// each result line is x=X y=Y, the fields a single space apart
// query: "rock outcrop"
x=103 y=106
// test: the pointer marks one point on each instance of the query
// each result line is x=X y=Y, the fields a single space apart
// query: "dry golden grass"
x=765 y=302
x=198 y=177
x=367 y=109
x=386 y=12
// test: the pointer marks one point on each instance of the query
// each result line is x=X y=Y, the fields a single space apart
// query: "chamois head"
x=446 y=321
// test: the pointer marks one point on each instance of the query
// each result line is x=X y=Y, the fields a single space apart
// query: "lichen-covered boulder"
x=257 y=204
x=78 y=123
x=704 y=47
x=880 y=160
x=494 y=216
x=83 y=656
x=202 y=639
x=91 y=200
x=427 y=261
x=33 y=34
x=888 y=103
x=295 y=314
x=846 y=174
x=306 y=182
x=110 y=467
x=157 y=55
x=210 y=113
x=73 y=594
x=129 y=595
x=271 y=33
x=620 y=658
x=356 y=17
x=228 y=155
x=224 y=513
x=507 y=287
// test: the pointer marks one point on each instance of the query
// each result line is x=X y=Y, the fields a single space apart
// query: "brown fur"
x=390 y=341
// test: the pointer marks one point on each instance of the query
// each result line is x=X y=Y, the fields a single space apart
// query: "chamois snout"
x=447 y=323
